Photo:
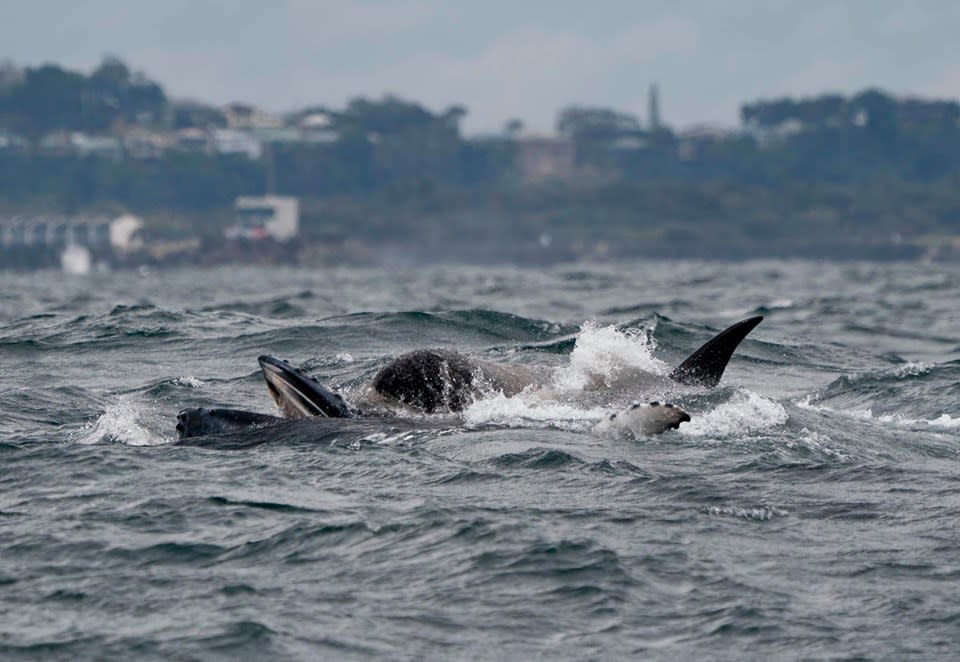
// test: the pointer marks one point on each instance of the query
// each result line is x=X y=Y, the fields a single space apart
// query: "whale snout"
x=297 y=394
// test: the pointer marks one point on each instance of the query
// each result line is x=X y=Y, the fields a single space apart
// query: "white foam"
x=122 y=422
x=759 y=513
x=781 y=303
x=394 y=438
x=945 y=421
x=189 y=381
x=603 y=354
x=525 y=410
x=745 y=412
x=911 y=370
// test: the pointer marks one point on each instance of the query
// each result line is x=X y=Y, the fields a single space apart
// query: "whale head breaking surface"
x=645 y=419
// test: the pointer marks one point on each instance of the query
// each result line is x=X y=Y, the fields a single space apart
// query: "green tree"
x=49 y=98
x=513 y=127
x=879 y=113
x=582 y=123
x=195 y=115
x=389 y=116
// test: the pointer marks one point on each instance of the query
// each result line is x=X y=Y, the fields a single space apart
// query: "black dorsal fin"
x=706 y=365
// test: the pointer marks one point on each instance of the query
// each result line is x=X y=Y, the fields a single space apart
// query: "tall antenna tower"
x=653 y=108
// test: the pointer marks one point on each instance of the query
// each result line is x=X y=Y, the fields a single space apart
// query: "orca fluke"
x=706 y=365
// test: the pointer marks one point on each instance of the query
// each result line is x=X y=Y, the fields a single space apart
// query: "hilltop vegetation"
x=868 y=174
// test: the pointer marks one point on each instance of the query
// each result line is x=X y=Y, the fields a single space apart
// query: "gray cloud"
x=503 y=59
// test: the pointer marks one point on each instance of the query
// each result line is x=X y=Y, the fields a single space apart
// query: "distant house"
x=265 y=217
x=10 y=75
x=234 y=141
x=11 y=142
x=192 y=140
x=277 y=135
x=105 y=146
x=76 y=143
x=692 y=142
x=767 y=136
x=145 y=144
x=317 y=128
x=245 y=116
x=539 y=158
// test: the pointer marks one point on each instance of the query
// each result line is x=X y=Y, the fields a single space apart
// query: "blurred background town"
x=104 y=168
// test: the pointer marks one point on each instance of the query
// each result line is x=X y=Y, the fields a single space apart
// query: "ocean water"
x=809 y=510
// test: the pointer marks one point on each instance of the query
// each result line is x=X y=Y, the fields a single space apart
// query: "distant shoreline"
x=517 y=254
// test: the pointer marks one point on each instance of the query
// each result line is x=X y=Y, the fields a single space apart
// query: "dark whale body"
x=428 y=379
x=433 y=380
x=441 y=379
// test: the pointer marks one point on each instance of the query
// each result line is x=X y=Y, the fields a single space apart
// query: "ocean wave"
x=537 y=458
x=897 y=372
x=462 y=325
x=523 y=528
x=280 y=306
x=943 y=421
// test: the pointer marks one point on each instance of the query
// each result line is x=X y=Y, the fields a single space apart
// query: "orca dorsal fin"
x=706 y=365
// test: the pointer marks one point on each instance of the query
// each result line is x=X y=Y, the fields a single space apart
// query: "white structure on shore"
x=274 y=217
x=120 y=234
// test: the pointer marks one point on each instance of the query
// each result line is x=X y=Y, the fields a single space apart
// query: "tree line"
x=392 y=151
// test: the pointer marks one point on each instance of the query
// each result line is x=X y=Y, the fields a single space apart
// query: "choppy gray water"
x=809 y=509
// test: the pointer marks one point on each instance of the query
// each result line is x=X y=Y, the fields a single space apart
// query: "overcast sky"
x=504 y=59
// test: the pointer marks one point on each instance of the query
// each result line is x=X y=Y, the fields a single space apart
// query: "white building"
x=121 y=234
x=317 y=128
x=145 y=144
x=261 y=217
x=539 y=158
x=234 y=141
x=125 y=234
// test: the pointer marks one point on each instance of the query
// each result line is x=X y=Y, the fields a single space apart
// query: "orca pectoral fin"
x=706 y=365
